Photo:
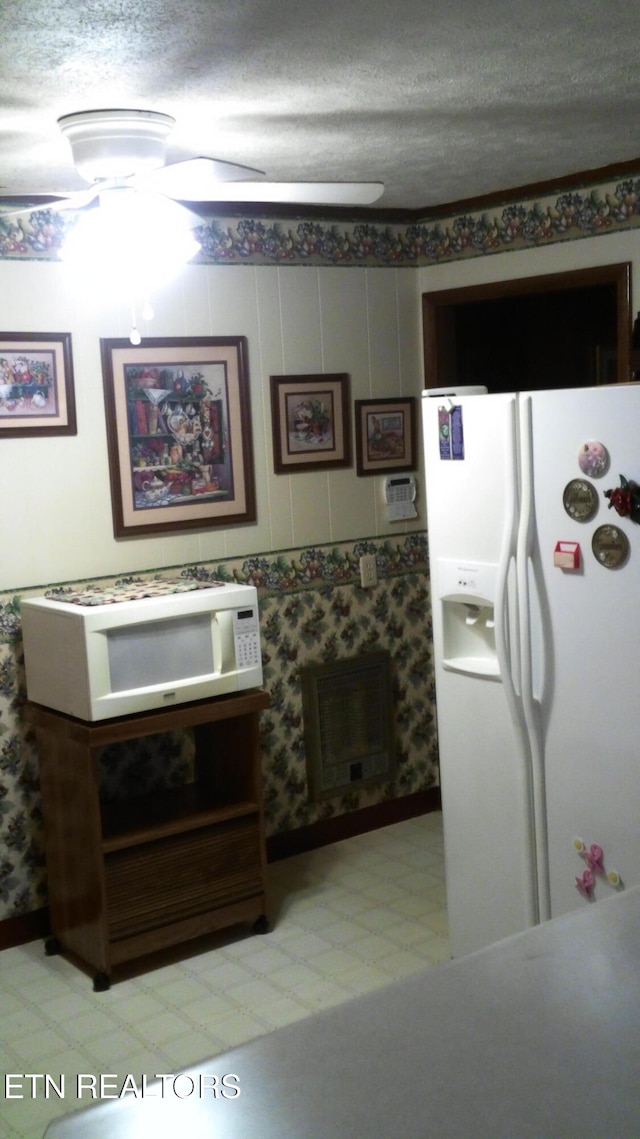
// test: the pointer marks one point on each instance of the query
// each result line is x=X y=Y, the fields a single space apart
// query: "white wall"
x=56 y=519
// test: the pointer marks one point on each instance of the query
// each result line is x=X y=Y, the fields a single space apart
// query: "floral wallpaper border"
x=603 y=208
x=312 y=609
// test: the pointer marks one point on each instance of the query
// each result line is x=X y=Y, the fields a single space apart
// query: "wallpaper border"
x=251 y=239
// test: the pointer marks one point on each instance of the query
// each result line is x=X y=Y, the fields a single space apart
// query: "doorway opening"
x=562 y=330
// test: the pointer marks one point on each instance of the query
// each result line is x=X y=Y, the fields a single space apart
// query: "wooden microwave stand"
x=128 y=878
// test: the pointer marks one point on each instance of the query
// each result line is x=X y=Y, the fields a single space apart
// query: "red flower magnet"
x=625 y=499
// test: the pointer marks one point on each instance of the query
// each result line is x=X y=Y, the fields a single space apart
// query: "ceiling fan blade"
x=211 y=180
x=12 y=211
x=301 y=193
x=194 y=180
x=74 y=200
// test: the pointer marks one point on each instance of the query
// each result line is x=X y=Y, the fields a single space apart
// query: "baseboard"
x=29 y=927
x=326 y=831
x=23 y=928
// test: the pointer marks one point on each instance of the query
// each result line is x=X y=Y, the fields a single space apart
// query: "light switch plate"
x=368 y=571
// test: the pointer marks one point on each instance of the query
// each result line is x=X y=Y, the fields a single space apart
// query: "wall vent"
x=348 y=724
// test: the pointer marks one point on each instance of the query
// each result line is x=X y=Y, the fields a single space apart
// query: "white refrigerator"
x=535 y=595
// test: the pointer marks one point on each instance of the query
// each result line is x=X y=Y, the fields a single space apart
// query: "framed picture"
x=310 y=420
x=36 y=384
x=385 y=435
x=179 y=433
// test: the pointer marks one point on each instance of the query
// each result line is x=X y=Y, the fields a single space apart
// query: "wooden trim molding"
x=326 y=831
x=587 y=204
x=438 y=307
x=23 y=928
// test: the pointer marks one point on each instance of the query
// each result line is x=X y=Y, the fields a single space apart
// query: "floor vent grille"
x=348 y=724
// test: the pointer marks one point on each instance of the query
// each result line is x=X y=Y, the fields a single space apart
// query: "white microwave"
x=95 y=661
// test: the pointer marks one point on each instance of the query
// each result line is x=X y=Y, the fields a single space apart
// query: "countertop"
x=537 y=1036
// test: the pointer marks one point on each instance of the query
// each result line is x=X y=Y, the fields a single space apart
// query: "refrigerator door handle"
x=526 y=578
x=506 y=628
x=508 y=652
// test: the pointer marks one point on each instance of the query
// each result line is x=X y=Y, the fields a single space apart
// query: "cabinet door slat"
x=168 y=880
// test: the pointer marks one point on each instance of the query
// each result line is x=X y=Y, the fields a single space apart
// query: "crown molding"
x=588 y=204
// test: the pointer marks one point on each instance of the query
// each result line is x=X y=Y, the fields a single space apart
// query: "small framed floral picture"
x=36 y=384
x=311 y=422
x=385 y=435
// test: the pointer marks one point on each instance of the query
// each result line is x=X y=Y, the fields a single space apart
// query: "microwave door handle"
x=217 y=644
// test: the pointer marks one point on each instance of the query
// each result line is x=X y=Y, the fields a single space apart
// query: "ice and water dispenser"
x=466 y=593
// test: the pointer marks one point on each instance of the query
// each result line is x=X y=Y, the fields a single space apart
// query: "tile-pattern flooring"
x=347 y=919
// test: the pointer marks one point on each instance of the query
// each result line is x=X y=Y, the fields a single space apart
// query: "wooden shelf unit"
x=131 y=877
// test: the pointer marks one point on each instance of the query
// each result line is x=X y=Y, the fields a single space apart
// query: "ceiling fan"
x=126 y=149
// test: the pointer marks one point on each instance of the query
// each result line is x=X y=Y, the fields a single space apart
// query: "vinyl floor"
x=346 y=919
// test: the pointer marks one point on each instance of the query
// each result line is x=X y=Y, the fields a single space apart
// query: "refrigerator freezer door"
x=484 y=763
x=587 y=664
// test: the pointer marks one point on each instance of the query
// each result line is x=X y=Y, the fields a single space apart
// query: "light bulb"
x=134 y=239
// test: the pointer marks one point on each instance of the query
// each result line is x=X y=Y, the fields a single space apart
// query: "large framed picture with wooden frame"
x=179 y=433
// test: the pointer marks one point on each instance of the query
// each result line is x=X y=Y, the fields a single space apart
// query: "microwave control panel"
x=246 y=635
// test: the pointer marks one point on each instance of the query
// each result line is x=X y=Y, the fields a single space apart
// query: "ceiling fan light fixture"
x=132 y=229
x=116 y=143
x=131 y=244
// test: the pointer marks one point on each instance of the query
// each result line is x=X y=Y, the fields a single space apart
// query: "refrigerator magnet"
x=593 y=459
x=566 y=555
x=625 y=499
x=457 y=434
x=610 y=546
x=580 y=500
x=444 y=433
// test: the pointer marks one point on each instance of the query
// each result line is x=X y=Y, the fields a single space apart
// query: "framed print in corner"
x=178 y=433
x=385 y=435
x=311 y=422
x=36 y=384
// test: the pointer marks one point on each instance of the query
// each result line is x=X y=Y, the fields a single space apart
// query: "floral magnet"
x=593 y=459
x=625 y=499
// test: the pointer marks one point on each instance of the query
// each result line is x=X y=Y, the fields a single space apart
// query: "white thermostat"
x=399 y=494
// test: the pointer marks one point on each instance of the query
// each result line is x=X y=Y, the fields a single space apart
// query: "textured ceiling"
x=440 y=99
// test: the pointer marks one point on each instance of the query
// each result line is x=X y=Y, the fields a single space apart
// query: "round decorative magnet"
x=580 y=500
x=610 y=546
x=593 y=459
